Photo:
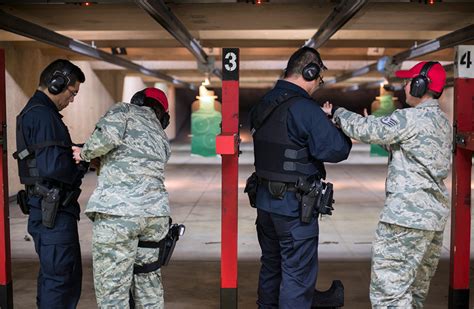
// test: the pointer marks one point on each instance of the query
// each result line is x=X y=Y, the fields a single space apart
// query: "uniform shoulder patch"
x=389 y=121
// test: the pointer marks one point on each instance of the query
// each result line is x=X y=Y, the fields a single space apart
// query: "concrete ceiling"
x=267 y=34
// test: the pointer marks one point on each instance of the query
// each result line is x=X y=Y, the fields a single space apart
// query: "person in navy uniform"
x=45 y=158
x=292 y=138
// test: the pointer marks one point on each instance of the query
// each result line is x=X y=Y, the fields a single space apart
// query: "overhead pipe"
x=341 y=14
x=160 y=12
x=25 y=28
x=449 y=40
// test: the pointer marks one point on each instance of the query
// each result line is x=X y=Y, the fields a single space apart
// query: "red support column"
x=227 y=146
x=461 y=193
x=6 y=292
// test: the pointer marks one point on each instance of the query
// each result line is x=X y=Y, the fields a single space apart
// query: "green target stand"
x=205 y=124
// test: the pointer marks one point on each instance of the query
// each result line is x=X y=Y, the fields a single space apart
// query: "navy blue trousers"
x=60 y=274
x=289 y=261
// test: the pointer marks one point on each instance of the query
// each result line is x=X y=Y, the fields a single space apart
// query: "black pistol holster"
x=169 y=242
x=251 y=189
x=22 y=201
x=315 y=196
x=166 y=246
x=49 y=203
x=308 y=194
x=327 y=199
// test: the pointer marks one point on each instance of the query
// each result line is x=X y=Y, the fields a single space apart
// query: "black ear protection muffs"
x=419 y=84
x=311 y=71
x=139 y=99
x=165 y=120
x=60 y=80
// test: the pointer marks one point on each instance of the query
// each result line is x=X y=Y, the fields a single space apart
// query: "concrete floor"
x=192 y=280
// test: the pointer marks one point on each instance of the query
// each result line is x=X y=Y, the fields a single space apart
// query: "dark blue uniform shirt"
x=54 y=163
x=308 y=126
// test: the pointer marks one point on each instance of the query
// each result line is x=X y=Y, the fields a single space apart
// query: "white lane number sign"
x=464 y=62
x=231 y=64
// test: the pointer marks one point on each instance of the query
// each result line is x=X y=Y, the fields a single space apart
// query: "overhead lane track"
x=446 y=41
x=160 y=12
x=25 y=28
x=341 y=14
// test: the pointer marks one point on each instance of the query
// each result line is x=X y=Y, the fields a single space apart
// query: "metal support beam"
x=459 y=286
x=358 y=72
x=338 y=18
x=25 y=28
x=362 y=86
x=230 y=177
x=160 y=12
x=449 y=40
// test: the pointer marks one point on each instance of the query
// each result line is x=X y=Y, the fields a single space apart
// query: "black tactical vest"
x=277 y=158
x=25 y=155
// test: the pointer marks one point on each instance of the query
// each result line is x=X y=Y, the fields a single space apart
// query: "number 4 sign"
x=463 y=64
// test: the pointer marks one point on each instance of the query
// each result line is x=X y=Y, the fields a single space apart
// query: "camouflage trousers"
x=114 y=252
x=403 y=262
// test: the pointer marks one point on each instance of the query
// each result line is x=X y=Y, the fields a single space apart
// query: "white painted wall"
x=89 y=105
x=131 y=84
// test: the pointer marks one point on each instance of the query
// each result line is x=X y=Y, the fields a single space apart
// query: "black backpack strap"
x=261 y=116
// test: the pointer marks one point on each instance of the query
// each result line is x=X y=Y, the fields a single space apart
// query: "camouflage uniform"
x=409 y=236
x=129 y=204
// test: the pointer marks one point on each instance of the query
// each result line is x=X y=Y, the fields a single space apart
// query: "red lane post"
x=227 y=146
x=6 y=291
x=461 y=195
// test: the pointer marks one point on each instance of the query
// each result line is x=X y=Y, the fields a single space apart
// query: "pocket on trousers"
x=59 y=259
x=305 y=232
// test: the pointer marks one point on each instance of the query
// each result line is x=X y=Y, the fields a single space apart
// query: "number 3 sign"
x=230 y=64
x=463 y=64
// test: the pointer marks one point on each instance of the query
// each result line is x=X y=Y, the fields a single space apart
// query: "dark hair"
x=434 y=94
x=75 y=73
x=301 y=58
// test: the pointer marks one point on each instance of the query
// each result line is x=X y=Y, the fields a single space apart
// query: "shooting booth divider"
x=227 y=145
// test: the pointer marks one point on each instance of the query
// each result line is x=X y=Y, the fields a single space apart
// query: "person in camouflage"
x=409 y=235
x=130 y=203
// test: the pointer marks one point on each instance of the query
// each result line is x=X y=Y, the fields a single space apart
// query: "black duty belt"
x=290 y=186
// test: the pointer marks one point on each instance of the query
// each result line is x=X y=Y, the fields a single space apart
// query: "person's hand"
x=327 y=108
x=76 y=154
x=366 y=114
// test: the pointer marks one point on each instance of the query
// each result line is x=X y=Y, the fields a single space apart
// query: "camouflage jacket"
x=133 y=149
x=419 y=140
